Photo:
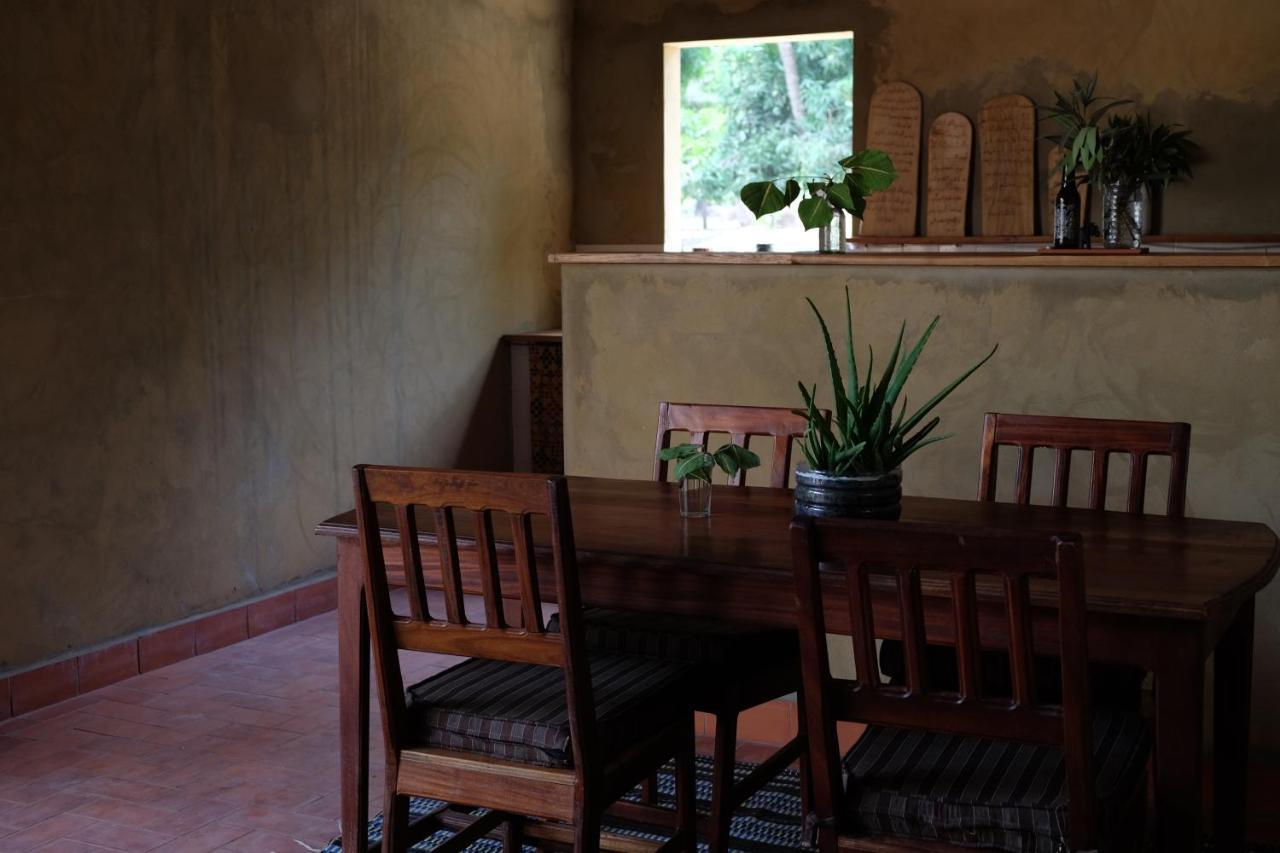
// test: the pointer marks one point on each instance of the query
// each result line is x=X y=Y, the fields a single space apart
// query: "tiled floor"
x=235 y=750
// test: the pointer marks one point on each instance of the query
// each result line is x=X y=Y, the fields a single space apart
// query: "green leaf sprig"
x=864 y=436
x=1078 y=130
x=693 y=461
x=864 y=172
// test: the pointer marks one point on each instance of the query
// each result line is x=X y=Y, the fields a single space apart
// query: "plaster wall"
x=242 y=247
x=1201 y=346
x=1208 y=64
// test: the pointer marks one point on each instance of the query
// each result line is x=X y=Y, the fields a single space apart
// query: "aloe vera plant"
x=864 y=436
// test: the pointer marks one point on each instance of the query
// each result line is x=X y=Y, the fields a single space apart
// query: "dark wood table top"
x=1198 y=569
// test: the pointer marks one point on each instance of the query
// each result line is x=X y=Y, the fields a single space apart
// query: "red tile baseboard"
x=48 y=683
x=43 y=685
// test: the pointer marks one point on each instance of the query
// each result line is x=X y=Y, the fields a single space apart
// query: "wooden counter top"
x=1165 y=260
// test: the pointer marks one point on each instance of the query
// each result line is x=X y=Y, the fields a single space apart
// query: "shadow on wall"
x=486 y=442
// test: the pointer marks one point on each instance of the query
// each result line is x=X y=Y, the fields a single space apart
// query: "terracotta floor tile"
x=208 y=838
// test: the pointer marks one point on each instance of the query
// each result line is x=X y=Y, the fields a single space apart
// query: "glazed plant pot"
x=822 y=495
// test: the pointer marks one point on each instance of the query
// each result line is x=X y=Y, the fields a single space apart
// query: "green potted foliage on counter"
x=855 y=458
x=827 y=198
x=1140 y=155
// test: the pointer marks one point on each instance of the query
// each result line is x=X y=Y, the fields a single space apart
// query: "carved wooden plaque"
x=947 y=181
x=1006 y=142
x=893 y=126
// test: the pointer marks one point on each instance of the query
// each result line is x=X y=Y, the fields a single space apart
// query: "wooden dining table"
x=1162 y=595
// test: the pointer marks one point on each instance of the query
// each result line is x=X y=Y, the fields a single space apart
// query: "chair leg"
x=806 y=780
x=686 y=792
x=649 y=790
x=586 y=831
x=722 y=781
x=395 y=815
x=513 y=838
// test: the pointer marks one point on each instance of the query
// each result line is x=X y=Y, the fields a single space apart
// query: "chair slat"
x=1137 y=482
x=407 y=524
x=913 y=629
x=1025 y=462
x=968 y=645
x=1021 y=656
x=450 y=570
x=862 y=620
x=1098 y=480
x=1061 y=476
x=490 y=580
x=780 y=469
x=527 y=574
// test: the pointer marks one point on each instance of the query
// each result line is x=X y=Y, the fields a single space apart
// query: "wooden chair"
x=958 y=769
x=1139 y=439
x=529 y=725
x=741 y=667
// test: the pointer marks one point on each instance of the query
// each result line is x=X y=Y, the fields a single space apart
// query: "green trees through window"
x=755 y=111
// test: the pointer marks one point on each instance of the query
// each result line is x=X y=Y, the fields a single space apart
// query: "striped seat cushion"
x=990 y=794
x=684 y=638
x=518 y=712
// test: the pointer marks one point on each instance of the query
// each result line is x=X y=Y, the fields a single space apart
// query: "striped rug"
x=767 y=823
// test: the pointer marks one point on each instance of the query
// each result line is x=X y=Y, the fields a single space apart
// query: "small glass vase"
x=1126 y=212
x=831 y=235
x=695 y=498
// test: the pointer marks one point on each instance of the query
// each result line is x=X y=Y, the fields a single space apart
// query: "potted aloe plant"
x=855 y=458
x=829 y=197
x=694 y=466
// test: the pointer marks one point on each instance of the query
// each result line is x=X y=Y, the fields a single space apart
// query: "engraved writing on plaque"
x=1006 y=145
x=947 y=178
x=893 y=126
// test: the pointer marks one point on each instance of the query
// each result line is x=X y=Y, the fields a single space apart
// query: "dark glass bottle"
x=1066 y=215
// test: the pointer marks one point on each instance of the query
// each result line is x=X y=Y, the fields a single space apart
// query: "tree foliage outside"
x=760 y=111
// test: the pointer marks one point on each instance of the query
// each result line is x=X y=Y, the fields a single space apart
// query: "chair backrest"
x=520 y=496
x=1140 y=440
x=841 y=563
x=740 y=423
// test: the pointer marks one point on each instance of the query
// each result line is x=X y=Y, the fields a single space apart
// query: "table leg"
x=1179 y=742
x=1232 y=682
x=353 y=697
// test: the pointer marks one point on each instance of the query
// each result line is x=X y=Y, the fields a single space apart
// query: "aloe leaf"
x=909 y=364
x=837 y=381
x=942 y=395
x=852 y=392
x=903 y=456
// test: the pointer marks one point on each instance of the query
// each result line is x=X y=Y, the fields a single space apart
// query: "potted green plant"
x=1139 y=155
x=827 y=197
x=694 y=465
x=855 y=458
x=1079 y=132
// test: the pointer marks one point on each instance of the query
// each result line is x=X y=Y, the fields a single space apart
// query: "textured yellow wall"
x=1207 y=63
x=1201 y=346
x=242 y=247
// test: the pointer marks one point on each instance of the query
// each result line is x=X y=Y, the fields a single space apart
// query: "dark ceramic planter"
x=821 y=495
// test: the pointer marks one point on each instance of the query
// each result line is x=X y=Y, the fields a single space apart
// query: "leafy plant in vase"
x=1139 y=155
x=828 y=197
x=1080 y=135
x=694 y=466
x=855 y=458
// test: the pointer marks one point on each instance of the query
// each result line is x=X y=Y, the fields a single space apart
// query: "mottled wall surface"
x=1209 y=64
x=1196 y=345
x=242 y=247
